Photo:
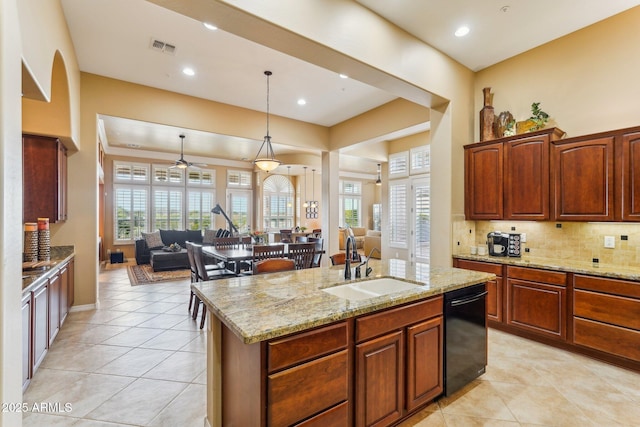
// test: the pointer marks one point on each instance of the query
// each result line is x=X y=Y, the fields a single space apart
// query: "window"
x=131 y=210
x=399 y=165
x=350 y=203
x=420 y=160
x=239 y=209
x=422 y=226
x=163 y=175
x=277 y=204
x=398 y=229
x=238 y=179
x=132 y=173
x=167 y=209
x=199 y=205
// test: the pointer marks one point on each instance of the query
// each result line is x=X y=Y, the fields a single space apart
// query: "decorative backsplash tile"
x=579 y=241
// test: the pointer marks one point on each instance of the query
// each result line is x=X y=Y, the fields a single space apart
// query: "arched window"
x=277 y=193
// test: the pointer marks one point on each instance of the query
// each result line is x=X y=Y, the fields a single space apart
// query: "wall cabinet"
x=606 y=315
x=44 y=174
x=630 y=176
x=583 y=179
x=509 y=178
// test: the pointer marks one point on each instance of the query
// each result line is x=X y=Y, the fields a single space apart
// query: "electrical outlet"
x=609 y=242
x=523 y=237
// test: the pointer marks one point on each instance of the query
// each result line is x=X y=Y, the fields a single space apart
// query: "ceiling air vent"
x=162 y=46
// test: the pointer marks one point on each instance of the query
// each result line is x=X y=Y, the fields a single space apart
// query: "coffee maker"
x=504 y=244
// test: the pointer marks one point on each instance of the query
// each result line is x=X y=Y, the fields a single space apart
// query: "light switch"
x=609 y=242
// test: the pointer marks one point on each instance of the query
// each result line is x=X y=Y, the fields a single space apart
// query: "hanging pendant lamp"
x=314 y=204
x=268 y=162
x=379 y=180
x=305 y=204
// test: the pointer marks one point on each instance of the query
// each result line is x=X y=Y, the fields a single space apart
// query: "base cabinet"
x=495 y=288
x=26 y=341
x=373 y=370
x=40 y=330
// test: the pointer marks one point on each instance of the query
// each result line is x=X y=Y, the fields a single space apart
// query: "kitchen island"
x=282 y=350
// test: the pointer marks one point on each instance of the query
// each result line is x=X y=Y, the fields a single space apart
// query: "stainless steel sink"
x=370 y=288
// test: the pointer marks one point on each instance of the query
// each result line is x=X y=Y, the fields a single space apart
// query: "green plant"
x=538 y=116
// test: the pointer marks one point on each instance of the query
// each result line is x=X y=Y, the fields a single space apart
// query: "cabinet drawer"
x=535 y=275
x=480 y=266
x=605 y=308
x=380 y=323
x=299 y=392
x=608 y=338
x=338 y=416
x=289 y=351
x=609 y=286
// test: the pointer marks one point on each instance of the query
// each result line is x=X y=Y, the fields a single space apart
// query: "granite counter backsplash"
x=567 y=265
x=261 y=307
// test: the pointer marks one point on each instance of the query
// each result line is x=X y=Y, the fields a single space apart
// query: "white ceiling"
x=112 y=38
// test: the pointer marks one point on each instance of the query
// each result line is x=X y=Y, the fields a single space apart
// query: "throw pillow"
x=153 y=240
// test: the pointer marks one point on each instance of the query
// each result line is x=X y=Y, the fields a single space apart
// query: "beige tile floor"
x=140 y=361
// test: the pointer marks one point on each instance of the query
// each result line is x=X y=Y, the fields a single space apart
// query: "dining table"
x=236 y=256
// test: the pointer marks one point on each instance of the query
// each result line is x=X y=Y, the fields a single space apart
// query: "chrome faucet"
x=367 y=269
x=351 y=251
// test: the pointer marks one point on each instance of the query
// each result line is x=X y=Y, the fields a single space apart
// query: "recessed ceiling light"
x=189 y=71
x=131 y=145
x=343 y=76
x=301 y=101
x=209 y=26
x=462 y=31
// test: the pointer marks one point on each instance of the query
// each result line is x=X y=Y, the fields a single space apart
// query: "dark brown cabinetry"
x=606 y=315
x=630 y=160
x=44 y=173
x=509 y=178
x=44 y=310
x=583 y=179
x=387 y=387
x=495 y=288
x=536 y=301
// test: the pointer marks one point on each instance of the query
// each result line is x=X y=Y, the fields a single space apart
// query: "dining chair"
x=285 y=236
x=194 y=277
x=317 y=232
x=272 y=265
x=302 y=254
x=339 y=258
x=261 y=252
x=203 y=275
x=317 y=256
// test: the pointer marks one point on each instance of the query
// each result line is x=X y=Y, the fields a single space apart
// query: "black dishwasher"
x=465 y=332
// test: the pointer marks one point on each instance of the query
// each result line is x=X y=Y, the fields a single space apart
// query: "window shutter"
x=420 y=159
x=399 y=165
x=398 y=230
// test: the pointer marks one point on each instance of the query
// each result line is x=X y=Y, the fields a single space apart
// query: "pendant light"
x=379 y=180
x=313 y=188
x=268 y=162
x=289 y=188
x=305 y=204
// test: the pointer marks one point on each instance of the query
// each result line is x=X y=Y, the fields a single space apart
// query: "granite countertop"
x=34 y=278
x=261 y=307
x=566 y=265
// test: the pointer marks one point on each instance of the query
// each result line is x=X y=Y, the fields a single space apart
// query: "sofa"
x=358 y=233
x=372 y=239
x=152 y=248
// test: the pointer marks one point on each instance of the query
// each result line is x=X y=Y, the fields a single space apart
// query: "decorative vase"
x=30 y=242
x=44 y=240
x=487 y=117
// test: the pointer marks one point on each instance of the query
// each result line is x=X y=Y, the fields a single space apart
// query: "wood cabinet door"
x=483 y=195
x=537 y=307
x=61 y=214
x=64 y=293
x=54 y=307
x=631 y=177
x=40 y=340
x=71 y=284
x=583 y=180
x=424 y=362
x=26 y=341
x=526 y=178
x=380 y=380
x=494 y=299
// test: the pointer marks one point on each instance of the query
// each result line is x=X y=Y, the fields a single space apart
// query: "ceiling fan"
x=181 y=163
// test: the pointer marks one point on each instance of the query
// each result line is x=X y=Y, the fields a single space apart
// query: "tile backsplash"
x=580 y=241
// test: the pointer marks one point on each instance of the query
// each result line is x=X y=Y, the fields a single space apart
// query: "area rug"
x=144 y=275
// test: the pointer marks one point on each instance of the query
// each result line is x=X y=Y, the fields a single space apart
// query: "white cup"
x=482 y=250
x=474 y=250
